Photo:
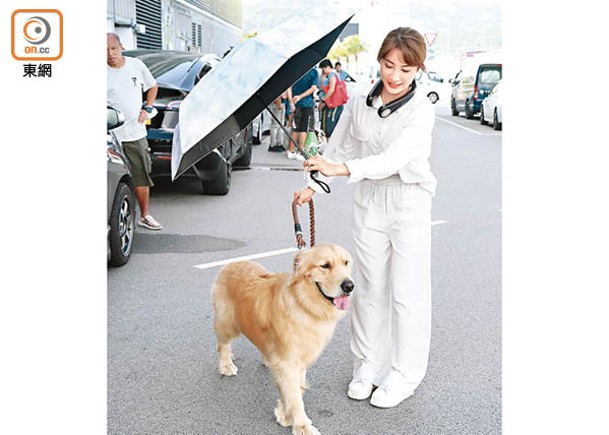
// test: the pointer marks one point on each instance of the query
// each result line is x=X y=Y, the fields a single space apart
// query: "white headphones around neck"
x=387 y=109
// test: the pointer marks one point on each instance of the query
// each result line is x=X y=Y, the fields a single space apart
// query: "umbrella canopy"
x=248 y=79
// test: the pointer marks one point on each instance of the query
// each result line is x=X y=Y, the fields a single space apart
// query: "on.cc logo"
x=36 y=30
x=37 y=34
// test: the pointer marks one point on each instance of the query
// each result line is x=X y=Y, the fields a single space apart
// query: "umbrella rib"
x=285 y=130
x=322 y=184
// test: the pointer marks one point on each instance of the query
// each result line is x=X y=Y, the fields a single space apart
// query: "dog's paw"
x=306 y=429
x=229 y=369
x=282 y=419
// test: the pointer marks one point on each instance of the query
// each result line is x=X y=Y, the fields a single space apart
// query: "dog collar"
x=328 y=298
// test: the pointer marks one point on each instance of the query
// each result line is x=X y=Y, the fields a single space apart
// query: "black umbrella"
x=248 y=79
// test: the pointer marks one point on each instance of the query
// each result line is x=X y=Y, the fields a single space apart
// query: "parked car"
x=121 y=196
x=176 y=73
x=491 y=109
x=372 y=73
x=435 y=76
x=471 y=85
x=355 y=87
x=431 y=87
x=261 y=125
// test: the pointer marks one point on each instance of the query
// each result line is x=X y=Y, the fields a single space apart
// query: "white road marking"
x=460 y=126
x=265 y=254
x=247 y=257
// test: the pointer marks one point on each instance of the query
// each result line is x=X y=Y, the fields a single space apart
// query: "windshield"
x=490 y=76
x=170 y=69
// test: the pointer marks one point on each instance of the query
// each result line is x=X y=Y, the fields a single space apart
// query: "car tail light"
x=475 y=92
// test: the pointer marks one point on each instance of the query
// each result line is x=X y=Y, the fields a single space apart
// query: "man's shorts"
x=141 y=163
x=303 y=118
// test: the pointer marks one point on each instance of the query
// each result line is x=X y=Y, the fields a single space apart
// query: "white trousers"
x=391 y=317
x=276 y=130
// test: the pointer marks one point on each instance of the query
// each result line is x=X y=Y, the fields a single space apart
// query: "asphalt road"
x=162 y=376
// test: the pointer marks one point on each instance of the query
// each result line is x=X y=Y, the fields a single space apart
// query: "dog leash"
x=300 y=241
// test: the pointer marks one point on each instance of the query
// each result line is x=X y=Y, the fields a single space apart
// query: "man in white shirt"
x=128 y=78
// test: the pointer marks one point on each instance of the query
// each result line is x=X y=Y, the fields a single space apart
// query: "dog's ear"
x=299 y=261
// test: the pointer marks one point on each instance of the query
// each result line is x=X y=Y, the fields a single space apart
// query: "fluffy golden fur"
x=286 y=317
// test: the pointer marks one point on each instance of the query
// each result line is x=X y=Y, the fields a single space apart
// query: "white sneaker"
x=360 y=389
x=389 y=397
x=391 y=392
x=295 y=156
x=150 y=223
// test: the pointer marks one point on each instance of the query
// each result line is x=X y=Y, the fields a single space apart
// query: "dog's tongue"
x=342 y=303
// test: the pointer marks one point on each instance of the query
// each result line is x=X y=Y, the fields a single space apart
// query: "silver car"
x=121 y=196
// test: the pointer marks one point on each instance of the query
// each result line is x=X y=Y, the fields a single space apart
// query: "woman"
x=383 y=143
x=329 y=116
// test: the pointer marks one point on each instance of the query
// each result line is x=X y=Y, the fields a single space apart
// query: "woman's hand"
x=303 y=196
x=318 y=163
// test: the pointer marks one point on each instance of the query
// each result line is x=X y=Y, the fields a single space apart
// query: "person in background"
x=342 y=74
x=302 y=92
x=288 y=104
x=128 y=78
x=383 y=144
x=329 y=116
x=278 y=109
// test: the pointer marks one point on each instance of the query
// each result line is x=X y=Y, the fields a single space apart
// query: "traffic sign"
x=430 y=37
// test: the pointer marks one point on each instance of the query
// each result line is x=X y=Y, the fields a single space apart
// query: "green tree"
x=354 y=46
x=338 y=52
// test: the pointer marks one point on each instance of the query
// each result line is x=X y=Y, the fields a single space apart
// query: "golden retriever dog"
x=290 y=318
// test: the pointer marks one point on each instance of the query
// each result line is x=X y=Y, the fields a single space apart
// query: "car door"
x=464 y=90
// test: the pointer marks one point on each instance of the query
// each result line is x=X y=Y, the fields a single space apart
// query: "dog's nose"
x=347 y=286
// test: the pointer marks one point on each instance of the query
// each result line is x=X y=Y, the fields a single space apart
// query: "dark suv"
x=176 y=73
x=470 y=86
x=121 y=196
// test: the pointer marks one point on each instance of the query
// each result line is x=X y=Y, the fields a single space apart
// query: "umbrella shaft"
x=286 y=131
x=323 y=185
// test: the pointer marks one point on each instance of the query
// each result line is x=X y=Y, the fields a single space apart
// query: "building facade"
x=201 y=26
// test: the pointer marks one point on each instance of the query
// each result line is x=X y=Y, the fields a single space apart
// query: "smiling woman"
x=383 y=142
x=401 y=58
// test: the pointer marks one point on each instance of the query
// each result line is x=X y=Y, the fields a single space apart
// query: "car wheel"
x=122 y=225
x=433 y=97
x=453 y=107
x=482 y=121
x=221 y=184
x=245 y=160
x=469 y=114
x=496 y=123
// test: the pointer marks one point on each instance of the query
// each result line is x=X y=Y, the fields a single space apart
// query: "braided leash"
x=300 y=241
